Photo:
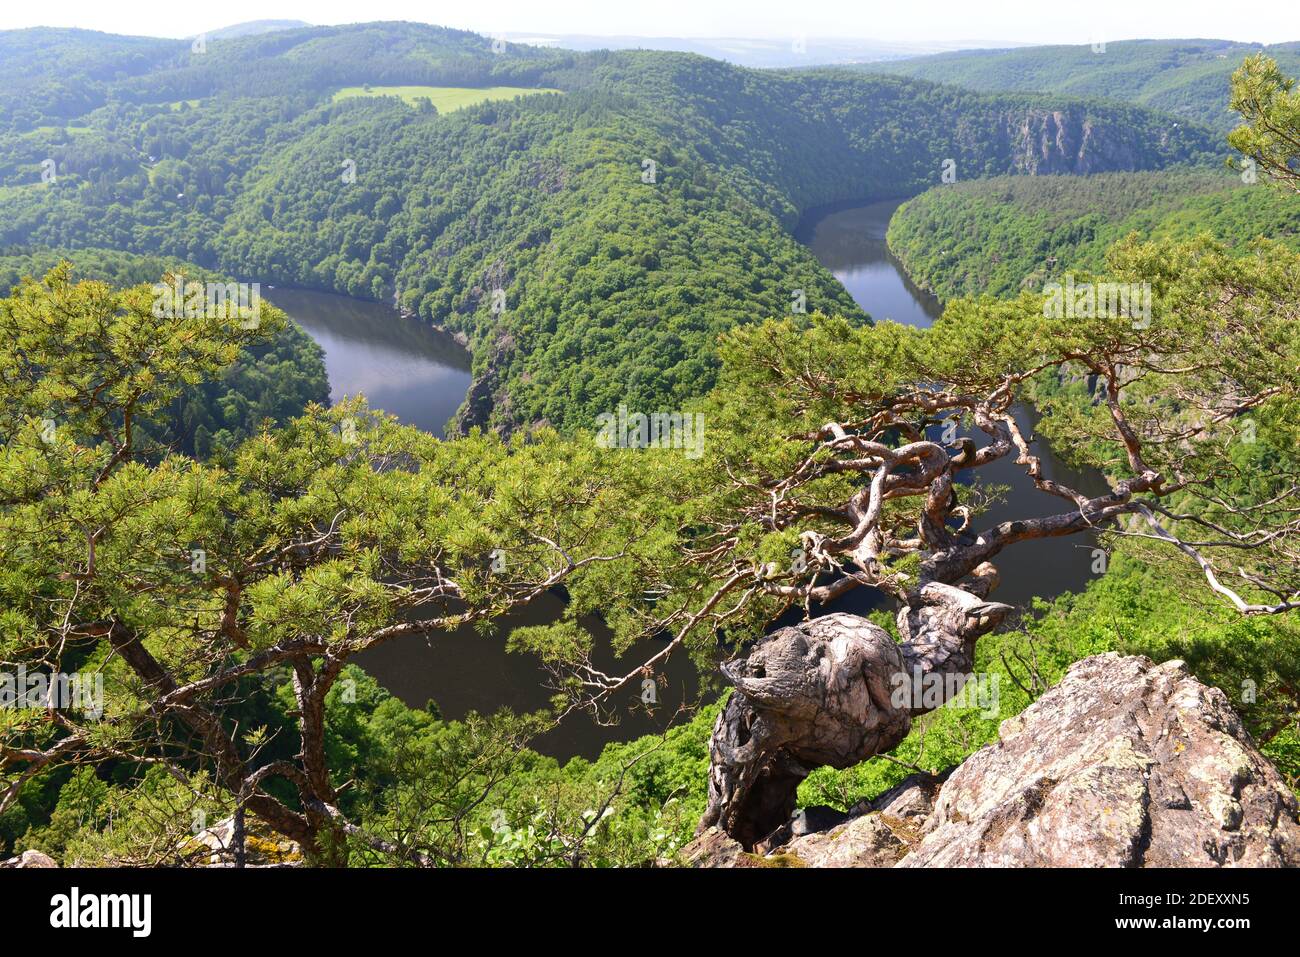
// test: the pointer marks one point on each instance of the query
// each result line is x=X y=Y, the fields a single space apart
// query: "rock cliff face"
x=1067 y=141
x=487 y=392
x=1125 y=763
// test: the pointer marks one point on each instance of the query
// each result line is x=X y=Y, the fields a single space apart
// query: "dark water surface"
x=421 y=375
x=851 y=244
x=403 y=366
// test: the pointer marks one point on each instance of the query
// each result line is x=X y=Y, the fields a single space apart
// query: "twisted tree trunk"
x=832 y=691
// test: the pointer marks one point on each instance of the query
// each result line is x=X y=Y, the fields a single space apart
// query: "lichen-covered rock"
x=878 y=833
x=715 y=848
x=263 y=847
x=30 y=859
x=1125 y=763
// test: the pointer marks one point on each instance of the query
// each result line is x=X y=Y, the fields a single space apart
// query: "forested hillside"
x=626 y=239
x=591 y=243
x=1188 y=78
x=1005 y=234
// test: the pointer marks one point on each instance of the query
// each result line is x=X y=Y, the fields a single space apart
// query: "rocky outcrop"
x=1125 y=763
x=263 y=847
x=1043 y=141
x=487 y=402
x=30 y=859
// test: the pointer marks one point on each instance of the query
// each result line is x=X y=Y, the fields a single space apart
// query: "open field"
x=446 y=98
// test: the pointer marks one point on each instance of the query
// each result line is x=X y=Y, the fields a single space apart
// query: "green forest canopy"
x=1006 y=233
x=340 y=528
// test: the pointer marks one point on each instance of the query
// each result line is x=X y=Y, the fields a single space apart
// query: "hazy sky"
x=941 y=21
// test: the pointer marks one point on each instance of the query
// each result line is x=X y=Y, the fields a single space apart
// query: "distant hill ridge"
x=253 y=28
x=1188 y=78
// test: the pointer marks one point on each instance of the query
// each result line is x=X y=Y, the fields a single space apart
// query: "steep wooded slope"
x=582 y=275
x=1004 y=234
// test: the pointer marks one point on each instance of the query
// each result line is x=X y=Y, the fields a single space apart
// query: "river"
x=421 y=375
x=851 y=244
x=408 y=368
